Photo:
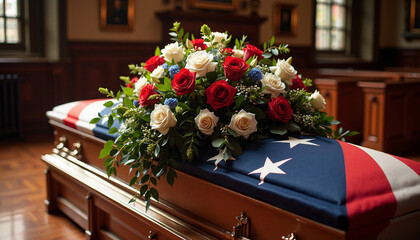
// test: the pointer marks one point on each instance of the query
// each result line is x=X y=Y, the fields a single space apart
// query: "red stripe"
x=369 y=195
x=73 y=114
x=415 y=166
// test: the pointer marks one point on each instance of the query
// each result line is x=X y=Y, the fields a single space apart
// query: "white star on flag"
x=295 y=141
x=269 y=167
x=218 y=158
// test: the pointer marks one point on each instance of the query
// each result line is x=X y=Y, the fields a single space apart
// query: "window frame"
x=346 y=29
x=21 y=22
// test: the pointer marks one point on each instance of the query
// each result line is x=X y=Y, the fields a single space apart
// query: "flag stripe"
x=73 y=114
x=405 y=182
x=369 y=196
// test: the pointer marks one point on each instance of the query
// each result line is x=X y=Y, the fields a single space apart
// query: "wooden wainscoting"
x=100 y=64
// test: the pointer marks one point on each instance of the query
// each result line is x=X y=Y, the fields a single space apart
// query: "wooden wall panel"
x=100 y=64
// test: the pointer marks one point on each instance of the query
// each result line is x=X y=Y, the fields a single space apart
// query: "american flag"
x=369 y=194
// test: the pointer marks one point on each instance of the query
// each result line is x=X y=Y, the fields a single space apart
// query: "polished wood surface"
x=23 y=213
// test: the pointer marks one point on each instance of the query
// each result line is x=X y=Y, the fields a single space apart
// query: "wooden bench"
x=391 y=115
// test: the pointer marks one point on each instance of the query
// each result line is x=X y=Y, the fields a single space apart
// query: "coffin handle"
x=152 y=236
x=241 y=229
x=291 y=236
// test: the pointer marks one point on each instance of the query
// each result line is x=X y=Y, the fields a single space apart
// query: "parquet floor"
x=22 y=192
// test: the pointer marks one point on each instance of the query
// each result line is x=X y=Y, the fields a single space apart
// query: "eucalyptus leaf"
x=217 y=143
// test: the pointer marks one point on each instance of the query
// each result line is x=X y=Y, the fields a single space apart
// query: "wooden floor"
x=22 y=192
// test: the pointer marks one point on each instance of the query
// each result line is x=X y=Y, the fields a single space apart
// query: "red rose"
x=184 y=82
x=279 y=110
x=251 y=51
x=234 y=68
x=220 y=94
x=228 y=51
x=297 y=83
x=153 y=63
x=132 y=82
x=198 y=43
x=145 y=93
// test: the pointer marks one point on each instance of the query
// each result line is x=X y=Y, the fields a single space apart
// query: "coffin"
x=299 y=187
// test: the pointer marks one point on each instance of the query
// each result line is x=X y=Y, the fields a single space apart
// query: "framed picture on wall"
x=117 y=15
x=285 y=19
x=226 y=5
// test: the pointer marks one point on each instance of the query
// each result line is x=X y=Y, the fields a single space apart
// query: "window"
x=331 y=25
x=11 y=29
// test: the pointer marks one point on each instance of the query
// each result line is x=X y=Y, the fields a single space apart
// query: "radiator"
x=9 y=106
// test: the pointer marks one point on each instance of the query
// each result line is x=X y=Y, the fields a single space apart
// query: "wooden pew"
x=390 y=75
x=345 y=102
x=391 y=115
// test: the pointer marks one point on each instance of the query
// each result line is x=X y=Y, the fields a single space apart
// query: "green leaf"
x=226 y=154
x=267 y=55
x=144 y=179
x=153 y=181
x=109 y=145
x=275 y=51
x=108 y=162
x=235 y=148
x=272 y=41
x=143 y=189
x=113 y=130
x=292 y=127
x=133 y=180
x=265 y=46
x=128 y=91
x=128 y=103
x=157 y=51
x=133 y=199
x=217 y=143
x=109 y=104
x=155 y=193
x=173 y=34
x=95 y=120
x=157 y=150
x=170 y=177
x=110 y=121
x=232 y=132
x=278 y=130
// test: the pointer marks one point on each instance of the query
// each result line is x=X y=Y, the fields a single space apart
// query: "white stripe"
x=91 y=111
x=405 y=183
x=56 y=116
x=65 y=108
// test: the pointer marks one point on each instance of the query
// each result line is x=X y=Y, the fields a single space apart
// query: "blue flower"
x=173 y=70
x=165 y=66
x=171 y=102
x=136 y=103
x=255 y=74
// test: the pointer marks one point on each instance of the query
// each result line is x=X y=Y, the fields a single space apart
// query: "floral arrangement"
x=198 y=91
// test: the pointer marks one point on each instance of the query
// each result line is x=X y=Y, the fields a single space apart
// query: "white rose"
x=206 y=121
x=273 y=85
x=174 y=52
x=157 y=73
x=238 y=53
x=243 y=123
x=140 y=84
x=284 y=70
x=162 y=118
x=218 y=37
x=317 y=100
x=201 y=63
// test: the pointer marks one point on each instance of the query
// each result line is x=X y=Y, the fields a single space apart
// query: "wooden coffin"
x=194 y=208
